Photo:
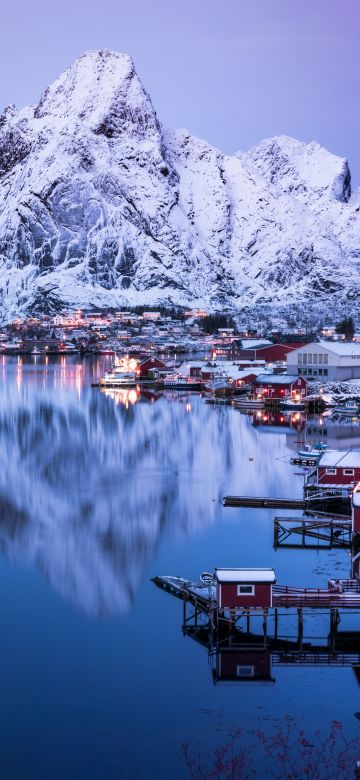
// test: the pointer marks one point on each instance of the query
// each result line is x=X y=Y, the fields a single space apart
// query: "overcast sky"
x=230 y=71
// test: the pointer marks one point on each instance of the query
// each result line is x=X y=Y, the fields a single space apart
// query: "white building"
x=326 y=360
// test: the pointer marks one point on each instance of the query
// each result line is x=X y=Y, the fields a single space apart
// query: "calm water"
x=99 y=493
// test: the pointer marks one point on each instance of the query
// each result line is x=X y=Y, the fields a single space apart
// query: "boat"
x=220 y=385
x=249 y=403
x=349 y=408
x=310 y=455
x=315 y=449
x=114 y=379
x=176 y=382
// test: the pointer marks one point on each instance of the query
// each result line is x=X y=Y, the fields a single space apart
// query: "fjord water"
x=98 y=493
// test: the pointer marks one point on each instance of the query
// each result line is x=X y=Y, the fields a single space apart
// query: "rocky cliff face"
x=100 y=206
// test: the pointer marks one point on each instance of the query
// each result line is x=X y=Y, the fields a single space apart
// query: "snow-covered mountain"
x=101 y=206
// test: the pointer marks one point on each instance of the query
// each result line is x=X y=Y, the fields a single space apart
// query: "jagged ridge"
x=100 y=206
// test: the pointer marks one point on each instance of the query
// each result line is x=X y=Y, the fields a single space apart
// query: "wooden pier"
x=321 y=499
x=340 y=594
x=257 y=501
x=313 y=533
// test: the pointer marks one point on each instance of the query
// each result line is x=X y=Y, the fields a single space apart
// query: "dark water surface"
x=98 y=493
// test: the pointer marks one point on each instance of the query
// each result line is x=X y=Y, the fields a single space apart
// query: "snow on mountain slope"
x=101 y=206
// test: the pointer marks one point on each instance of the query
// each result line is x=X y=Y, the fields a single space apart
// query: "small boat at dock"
x=177 y=382
x=310 y=455
x=348 y=408
x=249 y=403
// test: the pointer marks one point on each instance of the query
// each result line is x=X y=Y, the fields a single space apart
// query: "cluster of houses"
x=277 y=370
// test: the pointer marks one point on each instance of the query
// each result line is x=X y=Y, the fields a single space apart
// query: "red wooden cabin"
x=245 y=588
x=149 y=364
x=339 y=468
x=281 y=386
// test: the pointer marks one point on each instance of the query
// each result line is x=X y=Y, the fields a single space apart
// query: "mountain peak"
x=296 y=166
x=96 y=83
x=100 y=207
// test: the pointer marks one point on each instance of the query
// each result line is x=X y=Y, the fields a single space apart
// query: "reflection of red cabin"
x=275 y=419
x=281 y=386
x=339 y=468
x=245 y=588
x=242 y=667
x=149 y=364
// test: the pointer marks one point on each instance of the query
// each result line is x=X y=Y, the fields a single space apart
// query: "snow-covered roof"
x=356 y=496
x=276 y=379
x=337 y=458
x=341 y=348
x=255 y=343
x=241 y=373
x=245 y=575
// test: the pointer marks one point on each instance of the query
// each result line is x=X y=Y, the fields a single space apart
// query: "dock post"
x=265 y=626
x=303 y=534
x=300 y=626
x=184 y=612
x=334 y=622
x=248 y=621
x=231 y=625
x=276 y=623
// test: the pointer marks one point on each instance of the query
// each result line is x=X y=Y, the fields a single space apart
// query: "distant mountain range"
x=100 y=206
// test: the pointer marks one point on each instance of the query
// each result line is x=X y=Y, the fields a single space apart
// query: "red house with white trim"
x=338 y=468
x=244 y=588
x=281 y=386
x=149 y=364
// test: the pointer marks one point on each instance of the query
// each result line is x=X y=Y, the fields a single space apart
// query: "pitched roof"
x=276 y=379
x=245 y=575
x=339 y=459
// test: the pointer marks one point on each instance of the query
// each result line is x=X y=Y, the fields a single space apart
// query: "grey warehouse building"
x=333 y=360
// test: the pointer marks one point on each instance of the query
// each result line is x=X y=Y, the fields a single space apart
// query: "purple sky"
x=230 y=71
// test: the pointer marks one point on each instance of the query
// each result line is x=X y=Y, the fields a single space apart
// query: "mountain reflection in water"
x=87 y=485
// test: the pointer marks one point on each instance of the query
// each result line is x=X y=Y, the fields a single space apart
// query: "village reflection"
x=339 y=432
x=90 y=480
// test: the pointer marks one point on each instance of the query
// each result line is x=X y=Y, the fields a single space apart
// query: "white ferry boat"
x=119 y=379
